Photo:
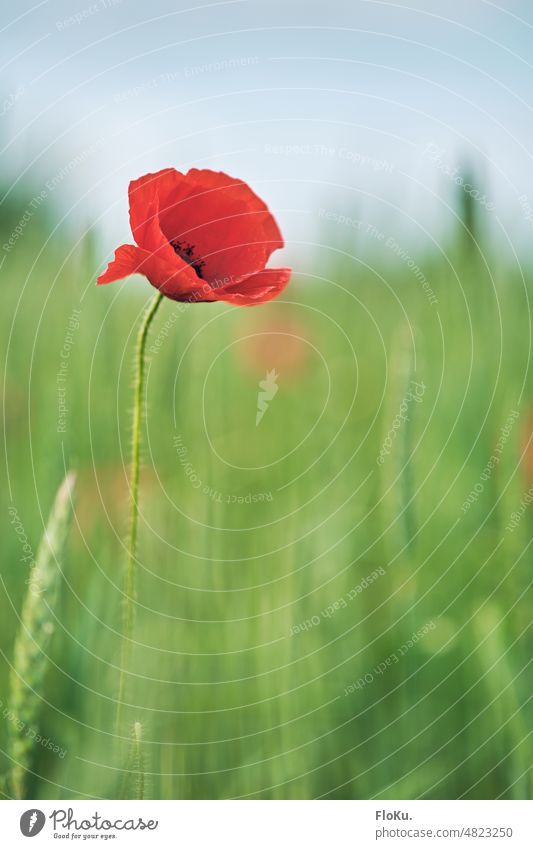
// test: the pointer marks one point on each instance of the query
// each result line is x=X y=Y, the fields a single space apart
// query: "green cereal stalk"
x=133 y=786
x=506 y=706
x=33 y=638
x=397 y=465
x=405 y=470
x=138 y=760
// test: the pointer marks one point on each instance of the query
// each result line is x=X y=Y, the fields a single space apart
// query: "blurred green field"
x=247 y=531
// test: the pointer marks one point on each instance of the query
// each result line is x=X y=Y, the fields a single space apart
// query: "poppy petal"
x=126 y=262
x=224 y=226
x=177 y=281
x=256 y=289
x=144 y=204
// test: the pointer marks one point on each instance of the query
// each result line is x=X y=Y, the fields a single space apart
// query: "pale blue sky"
x=316 y=104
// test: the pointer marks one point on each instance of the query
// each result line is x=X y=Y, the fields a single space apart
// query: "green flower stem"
x=129 y=582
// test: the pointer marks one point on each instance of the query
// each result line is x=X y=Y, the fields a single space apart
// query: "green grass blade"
x=33 y=638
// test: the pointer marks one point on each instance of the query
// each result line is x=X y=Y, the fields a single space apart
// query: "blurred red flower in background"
x=201 y=236
x=277 y=341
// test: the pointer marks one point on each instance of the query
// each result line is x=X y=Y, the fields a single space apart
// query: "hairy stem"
x=129 y=581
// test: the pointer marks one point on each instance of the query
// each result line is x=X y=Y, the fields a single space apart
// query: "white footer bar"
x=268 y=825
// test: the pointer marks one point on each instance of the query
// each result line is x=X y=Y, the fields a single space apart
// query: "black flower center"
x=187 y=253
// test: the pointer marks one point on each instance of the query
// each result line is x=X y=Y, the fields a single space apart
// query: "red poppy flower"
x=201 y=236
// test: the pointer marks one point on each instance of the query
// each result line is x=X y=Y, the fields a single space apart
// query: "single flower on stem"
x=200 y=236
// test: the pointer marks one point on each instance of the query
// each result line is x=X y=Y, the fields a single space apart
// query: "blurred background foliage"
x=288 y=517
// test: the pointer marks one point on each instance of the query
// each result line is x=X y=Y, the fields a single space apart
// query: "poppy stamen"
x=186 y=252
